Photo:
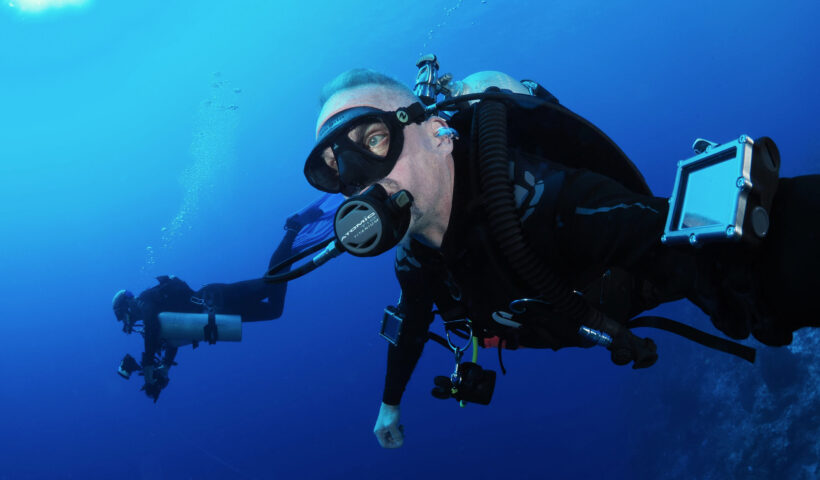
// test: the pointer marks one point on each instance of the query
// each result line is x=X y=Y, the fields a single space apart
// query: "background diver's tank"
x=179 y=329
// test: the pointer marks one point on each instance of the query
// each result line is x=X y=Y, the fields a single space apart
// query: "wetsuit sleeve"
x=600 y=223
x=416 y=308
x=247 y=298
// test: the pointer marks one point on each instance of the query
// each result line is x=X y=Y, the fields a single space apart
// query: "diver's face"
x=128 y=316
x=421 y=167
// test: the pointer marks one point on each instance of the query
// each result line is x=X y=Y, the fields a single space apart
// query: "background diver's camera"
x=474 y=385
x=128 y=366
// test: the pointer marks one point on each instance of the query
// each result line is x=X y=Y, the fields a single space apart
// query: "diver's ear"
x=442 y=133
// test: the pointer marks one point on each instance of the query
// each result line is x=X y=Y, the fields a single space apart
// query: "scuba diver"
x=526 y=226
x=171 y=314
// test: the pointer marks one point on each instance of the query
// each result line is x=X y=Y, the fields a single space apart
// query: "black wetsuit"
x=604 y=240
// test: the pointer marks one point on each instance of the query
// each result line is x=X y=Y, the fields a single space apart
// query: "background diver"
x=252 y=300
x=583 y=211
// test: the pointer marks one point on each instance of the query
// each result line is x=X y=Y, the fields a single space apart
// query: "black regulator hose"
x=499 y=203
x=330 y=251
x=365 y=225
x=505 y=227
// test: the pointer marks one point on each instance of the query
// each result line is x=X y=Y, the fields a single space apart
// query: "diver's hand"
x=388 y=431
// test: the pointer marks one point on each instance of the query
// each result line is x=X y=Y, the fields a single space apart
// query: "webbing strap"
x=439 y=339
x=697 y=336
x=211 y=332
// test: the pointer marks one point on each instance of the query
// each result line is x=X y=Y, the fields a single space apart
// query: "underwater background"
x=147 y=138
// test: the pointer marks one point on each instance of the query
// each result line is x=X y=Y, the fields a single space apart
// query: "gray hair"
x=359 y=77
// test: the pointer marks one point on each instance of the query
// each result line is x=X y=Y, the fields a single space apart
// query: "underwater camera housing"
x=724 y=193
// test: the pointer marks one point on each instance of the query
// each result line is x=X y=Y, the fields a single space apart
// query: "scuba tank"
x=179 y=329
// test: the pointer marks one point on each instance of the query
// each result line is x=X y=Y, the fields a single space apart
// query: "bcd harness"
x=559 y=134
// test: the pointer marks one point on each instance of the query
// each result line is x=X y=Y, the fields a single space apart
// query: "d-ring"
x=520 y=306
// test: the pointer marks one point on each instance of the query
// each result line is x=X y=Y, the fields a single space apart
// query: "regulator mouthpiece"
x=372 y=223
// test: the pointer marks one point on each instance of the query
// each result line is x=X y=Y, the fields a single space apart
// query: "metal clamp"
x=468 y=324
x=455 y=377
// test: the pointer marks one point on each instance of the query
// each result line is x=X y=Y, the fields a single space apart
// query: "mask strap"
x=413 y=113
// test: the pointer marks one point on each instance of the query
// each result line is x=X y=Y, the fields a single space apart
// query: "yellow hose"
x=475 y=358
x=475 y=349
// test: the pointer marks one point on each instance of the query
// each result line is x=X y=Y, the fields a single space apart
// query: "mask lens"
x=372 y=137
x=350 y=144
x=355 y=155
x=369 y=138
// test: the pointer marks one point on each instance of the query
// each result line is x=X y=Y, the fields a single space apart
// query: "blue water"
x=147 y=138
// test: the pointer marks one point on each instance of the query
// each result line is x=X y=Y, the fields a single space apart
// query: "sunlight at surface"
x=36 y=6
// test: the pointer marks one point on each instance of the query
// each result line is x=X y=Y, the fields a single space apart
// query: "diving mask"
x=123 y=305
x=358 y=147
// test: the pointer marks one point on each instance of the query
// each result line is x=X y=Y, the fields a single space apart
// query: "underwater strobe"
x=365 y=225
